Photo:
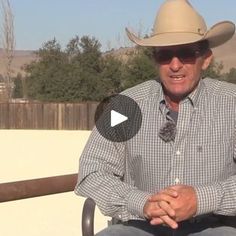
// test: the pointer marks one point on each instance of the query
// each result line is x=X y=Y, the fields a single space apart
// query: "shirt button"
x=177 y=181
x=178 y=153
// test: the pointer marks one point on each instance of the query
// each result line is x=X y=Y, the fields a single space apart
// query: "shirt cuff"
x=208 y=198
x=136 y=202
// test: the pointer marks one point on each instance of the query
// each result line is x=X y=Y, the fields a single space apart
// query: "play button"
x=118 y=118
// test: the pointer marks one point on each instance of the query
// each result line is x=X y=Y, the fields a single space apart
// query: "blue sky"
x=37 y=21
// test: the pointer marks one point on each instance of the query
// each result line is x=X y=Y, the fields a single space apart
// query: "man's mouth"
x=177 y=77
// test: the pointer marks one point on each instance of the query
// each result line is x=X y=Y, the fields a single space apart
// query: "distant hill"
x=21 y=57
x=225 y=53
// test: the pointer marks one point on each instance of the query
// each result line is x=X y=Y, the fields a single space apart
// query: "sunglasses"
x=185 y=55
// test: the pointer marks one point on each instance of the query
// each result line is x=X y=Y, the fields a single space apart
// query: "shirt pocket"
x=211 y=161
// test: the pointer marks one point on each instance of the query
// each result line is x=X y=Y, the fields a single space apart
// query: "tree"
x=214 y=70
x=139 y=68
x=69 y=75
x=87 y=69
x=231 y=76
x=46 y=76
x=18 y=88
x=72 y=48
x=111 y=76
x=8 y=44
x=90 y=54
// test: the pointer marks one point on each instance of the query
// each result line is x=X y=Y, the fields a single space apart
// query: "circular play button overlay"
x=118 y=118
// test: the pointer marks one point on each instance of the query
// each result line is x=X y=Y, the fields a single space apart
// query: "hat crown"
x=178 y=16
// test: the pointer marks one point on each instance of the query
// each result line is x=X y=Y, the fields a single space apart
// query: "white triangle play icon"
x=117 y=118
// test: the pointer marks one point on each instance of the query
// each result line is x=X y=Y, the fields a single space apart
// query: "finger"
x=166 y=220
x=157 y=213
x=169 y=191
x=163 y=208
x=169 y=221
x=157 y=221
x=167 y=208
x=160 y=197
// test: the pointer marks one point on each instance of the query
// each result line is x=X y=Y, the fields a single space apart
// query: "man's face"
x=180 y=68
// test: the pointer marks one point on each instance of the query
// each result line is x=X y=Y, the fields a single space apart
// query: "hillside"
x=21 y=57
x=225 y=53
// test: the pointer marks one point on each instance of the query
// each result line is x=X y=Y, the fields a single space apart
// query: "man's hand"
x=161 y=211
x=184 y=205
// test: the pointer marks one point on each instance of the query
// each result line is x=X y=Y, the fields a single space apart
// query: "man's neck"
x=172 y=104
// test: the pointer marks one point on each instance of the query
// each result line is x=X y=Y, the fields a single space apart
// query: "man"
x=177 y=176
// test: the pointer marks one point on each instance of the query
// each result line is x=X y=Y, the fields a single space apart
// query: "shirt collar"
x=193 y=97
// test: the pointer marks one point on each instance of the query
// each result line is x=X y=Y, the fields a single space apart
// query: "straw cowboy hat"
x=177 y=22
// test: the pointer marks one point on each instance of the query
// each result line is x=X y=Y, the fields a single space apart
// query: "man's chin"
x=179 y=95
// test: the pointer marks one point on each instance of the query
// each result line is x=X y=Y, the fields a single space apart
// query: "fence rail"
x=37 y=187
x=55 y=116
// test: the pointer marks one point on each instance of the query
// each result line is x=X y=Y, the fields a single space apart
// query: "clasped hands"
x=171 y=205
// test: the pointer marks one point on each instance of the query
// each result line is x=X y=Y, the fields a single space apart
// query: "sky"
x=37 y=21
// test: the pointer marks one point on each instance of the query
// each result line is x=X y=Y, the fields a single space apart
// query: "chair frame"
x=88 y=217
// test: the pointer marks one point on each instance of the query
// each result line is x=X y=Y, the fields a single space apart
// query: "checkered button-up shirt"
x=121 y=176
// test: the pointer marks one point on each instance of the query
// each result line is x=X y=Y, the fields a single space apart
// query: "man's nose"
x=175 y=64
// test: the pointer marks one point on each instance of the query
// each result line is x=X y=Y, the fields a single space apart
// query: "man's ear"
x=208 y=57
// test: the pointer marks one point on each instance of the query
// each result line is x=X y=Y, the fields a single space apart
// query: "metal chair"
x=88 y=217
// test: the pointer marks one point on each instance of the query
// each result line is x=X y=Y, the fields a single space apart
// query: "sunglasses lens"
x=164 y=56
x=185 y=55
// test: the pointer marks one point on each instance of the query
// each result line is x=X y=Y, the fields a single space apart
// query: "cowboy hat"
x=177 y=22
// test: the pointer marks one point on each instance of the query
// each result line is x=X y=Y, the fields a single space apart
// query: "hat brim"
x=216 y=35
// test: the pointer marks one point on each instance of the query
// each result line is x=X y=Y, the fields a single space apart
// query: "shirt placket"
x=178 y=154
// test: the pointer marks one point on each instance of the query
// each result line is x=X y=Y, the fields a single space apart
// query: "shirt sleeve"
x=101 y=173
x=219 y=198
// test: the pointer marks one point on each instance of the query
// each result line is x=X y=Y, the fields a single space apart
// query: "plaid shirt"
x=121 y=176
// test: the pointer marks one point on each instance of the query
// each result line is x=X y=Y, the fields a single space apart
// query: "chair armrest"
x=88 y=217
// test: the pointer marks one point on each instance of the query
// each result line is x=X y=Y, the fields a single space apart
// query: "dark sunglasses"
x=185 y=55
